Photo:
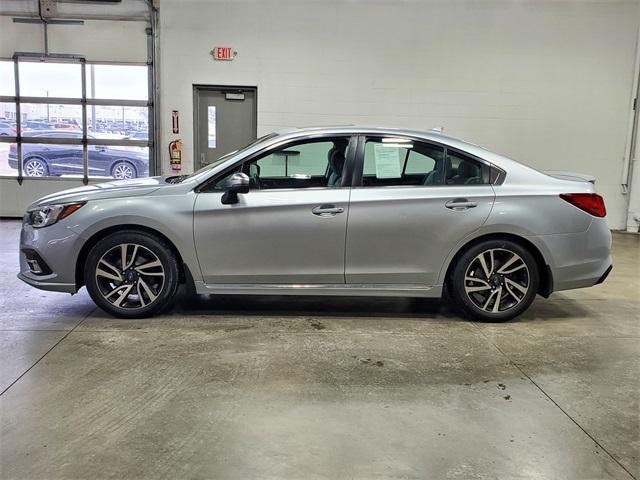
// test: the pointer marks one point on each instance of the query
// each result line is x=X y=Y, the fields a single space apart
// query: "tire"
x=494 y=281
x=35 y=167
x=123 y=170
x=146 y=286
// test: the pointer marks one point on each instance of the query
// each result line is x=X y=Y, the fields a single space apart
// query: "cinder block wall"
x=545 y=82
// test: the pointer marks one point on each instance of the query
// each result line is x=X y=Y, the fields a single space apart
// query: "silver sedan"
x=327 y=211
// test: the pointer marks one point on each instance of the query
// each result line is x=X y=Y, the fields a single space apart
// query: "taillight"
x=592 y=203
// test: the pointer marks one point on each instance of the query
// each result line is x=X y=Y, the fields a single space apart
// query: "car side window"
x=302 y=164
x=397 y=161
x=463 y=170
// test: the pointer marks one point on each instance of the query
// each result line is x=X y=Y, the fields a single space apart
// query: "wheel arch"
x=184 y=272
x=545 y=287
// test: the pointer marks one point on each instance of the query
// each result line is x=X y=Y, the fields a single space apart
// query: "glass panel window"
x=38 y=79
x=40 y=117
x=117 y=122
x=211 y=120
x=397 y=162
x=463 y=170
x=315 y=163
x=120 y=162
x=48 y=159
x=123 y=82
x=8 y=129
x=7 y=78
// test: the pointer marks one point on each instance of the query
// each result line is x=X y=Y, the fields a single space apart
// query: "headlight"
x=50 y=214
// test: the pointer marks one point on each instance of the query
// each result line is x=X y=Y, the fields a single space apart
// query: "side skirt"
x=382 y=290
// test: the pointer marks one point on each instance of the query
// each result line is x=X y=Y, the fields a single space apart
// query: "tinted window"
x=463 y=170
x=395 y=161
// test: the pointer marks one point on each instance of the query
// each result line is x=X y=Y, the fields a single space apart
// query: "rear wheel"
x=494 y=280
x=131 y=275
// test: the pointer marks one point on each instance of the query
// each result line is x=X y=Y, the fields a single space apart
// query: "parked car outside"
x=7 y=129
x=327 y=211
x=54 y=159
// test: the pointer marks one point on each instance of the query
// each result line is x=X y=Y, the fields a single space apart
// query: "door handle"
x=327 y=210
x=460 y=204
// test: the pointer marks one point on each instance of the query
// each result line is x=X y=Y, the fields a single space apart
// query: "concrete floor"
x=275 y=387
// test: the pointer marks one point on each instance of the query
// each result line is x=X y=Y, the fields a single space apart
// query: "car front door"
x=414 y=202
x=289 y=228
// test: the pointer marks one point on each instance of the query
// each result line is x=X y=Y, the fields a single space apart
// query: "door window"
x=399 y=161
x=307 y=164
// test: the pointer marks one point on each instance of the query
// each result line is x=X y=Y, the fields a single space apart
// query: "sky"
x=64 y=80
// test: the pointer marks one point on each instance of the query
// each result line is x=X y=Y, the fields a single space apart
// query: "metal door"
x=224 y=121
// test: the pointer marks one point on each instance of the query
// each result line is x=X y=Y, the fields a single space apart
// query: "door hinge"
x=635 y=103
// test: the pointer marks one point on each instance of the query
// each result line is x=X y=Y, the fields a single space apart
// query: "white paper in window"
x=211 y=113
x=387 y=161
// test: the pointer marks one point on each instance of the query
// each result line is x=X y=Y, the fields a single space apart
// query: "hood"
x=98 y=191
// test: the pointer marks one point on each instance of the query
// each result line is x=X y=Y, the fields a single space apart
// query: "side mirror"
x=237 y=183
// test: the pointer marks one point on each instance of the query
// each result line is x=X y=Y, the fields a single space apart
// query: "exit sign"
x=223 y=53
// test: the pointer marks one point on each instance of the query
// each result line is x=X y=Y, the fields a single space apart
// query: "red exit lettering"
x=223 y=53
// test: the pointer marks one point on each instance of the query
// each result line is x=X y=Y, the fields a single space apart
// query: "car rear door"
x=288 y=229
x=409 y=208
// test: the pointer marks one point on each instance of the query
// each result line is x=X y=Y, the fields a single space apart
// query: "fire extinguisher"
x=175 y=155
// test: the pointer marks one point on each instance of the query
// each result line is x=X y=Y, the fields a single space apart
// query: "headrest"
x=467 y=169
x=336 y=161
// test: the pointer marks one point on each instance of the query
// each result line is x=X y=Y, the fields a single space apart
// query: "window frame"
x=496 y=174
x=86 y=140
x=287 y=143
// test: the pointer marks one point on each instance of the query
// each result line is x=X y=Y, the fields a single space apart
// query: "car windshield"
x=208 y=167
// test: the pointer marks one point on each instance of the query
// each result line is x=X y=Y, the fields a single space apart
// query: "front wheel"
x=131 y=275
x=35 y=167
x=123 y=171
x=494 y=280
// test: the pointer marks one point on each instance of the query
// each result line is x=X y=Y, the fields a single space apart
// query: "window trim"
x=349 y=159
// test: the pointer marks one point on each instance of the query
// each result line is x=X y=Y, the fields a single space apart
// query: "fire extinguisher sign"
x=175 y=121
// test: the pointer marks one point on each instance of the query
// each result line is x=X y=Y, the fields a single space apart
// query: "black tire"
x=33 y=164
x=151 y=292
x=476 y=294
x=123 y=164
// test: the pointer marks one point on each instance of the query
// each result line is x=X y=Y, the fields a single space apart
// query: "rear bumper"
x=578 y=260
x=604 y=275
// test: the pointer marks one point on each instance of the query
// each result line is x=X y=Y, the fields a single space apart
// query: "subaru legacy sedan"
x=327 y=211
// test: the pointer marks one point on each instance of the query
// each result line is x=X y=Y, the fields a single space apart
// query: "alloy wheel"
x=123 y=171
x=497 y=280
x=35 y=168
x=130 y=276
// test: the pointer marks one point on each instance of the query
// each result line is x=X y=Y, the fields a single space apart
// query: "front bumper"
x=48 y=285
x=57 y=246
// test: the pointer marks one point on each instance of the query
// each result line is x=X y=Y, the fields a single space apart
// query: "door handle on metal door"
x=327 y=210
x=460 y=204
